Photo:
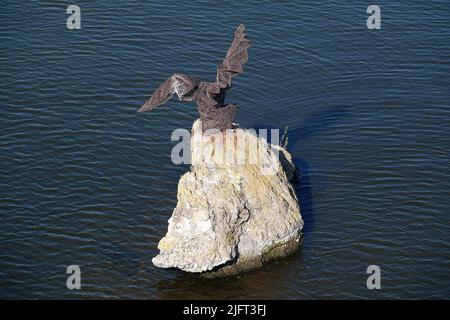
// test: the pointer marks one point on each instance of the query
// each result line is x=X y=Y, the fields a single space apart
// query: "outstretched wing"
x=236 y=56
x=181 y=84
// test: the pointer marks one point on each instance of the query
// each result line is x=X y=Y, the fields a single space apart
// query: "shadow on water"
x=263 y=283
x=316 y=123
x=304 y=194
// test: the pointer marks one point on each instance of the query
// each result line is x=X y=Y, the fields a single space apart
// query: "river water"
x=86 y=180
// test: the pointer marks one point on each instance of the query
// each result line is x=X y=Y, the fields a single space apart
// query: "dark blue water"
x=86 y=180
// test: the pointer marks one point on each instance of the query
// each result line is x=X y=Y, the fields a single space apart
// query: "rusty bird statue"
x=210 y=97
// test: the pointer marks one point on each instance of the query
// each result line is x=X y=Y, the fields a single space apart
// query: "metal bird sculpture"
x=210 y=97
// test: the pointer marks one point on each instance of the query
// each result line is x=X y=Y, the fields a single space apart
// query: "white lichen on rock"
x=232 y=217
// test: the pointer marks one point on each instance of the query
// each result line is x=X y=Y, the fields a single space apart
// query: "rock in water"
x=236 y=208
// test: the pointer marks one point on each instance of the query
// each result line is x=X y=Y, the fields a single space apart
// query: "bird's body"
x=214 y=114
x=210 y=97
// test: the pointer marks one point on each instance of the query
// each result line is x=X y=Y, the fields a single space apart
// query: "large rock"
x=232 y=216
